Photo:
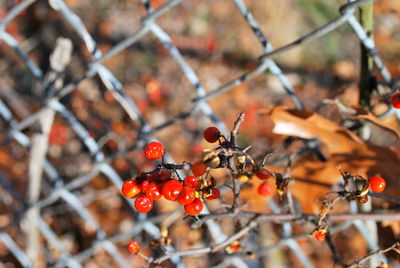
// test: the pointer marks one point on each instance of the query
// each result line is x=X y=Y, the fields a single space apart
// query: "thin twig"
x=235 y=129
x=394 y=247
x=197 y=251
x=333 y=248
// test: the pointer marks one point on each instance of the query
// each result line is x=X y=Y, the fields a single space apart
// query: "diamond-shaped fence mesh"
x=59 y=221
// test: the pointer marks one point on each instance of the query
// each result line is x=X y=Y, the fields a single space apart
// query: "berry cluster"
x=192 y=190
x=150 y=186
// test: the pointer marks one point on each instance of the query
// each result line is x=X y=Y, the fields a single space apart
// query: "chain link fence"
x=29 y=236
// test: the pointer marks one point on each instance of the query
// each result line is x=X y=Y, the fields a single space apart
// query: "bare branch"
x=394 y=247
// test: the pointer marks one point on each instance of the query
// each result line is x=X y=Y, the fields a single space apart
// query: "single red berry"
x=143 y=203
x=263 y=173
x=216 y=193
x=199 y=168
x=377 y=184
x=194 y=208
x=211 y=134
x=154 y=191
x=395 y=100
x=130 y=189
x=160 y=175
x=235 y=247
x=320 y=236
x=191 y=181
x=145 y=184
x=186 y=196
x=154 y=150
x=134 y=247
x=58 y=134
x=171 y=189
x=264 y=189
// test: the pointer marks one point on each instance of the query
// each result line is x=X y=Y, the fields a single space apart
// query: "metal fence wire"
x=47 y=187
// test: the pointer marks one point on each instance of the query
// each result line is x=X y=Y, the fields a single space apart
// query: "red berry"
x=172 y=189
x=211 y=134
x=130 y=189
x=235 y=247
x=186 y=196
x=320 y=236
x=377 y=184
x=134 y=247
x=191 y=181
x=58 y=134
x=194 y=208
x=154 y=191
x=145 y=184
x=199 y=168
x=214 y=195
x=264 y=189
x=154 y=150
x=143 y=203
x=263 y=173
x=160 y=175
x=395 y=100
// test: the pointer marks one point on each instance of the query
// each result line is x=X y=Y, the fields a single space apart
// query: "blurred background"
x=93 y=126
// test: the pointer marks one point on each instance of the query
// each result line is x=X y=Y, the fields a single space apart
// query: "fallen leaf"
x=362 y=114
x=347 y=152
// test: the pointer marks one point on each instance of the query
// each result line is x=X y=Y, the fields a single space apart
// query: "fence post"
x=367 y=80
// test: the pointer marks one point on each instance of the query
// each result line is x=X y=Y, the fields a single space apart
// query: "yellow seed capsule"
x=214 y=162
x=163 y=231
x=250 y=255
x=280 y=191
x=210 y=158
x=155 y=243
x=242 y=177
x=166 y=241
x=364 y=190
x=229 y=250
x=324 y=208
x=240 y=161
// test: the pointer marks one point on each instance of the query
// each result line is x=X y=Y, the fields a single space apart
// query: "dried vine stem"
x=235 y=129
x=247 y=228
x=334 y=250
x=394 y=247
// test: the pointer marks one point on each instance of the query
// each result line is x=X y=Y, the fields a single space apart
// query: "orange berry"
x=395 y=100
x=264 y=189
x=194 y=208
x=199 y=168
x=154 y=150
x=134 y=247
x=130 y=189
x=143 y=203
x=377 y=184
x=216 y=193
x=320 y=236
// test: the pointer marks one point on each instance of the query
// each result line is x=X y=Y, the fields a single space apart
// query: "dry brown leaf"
x=362 y=114
x=394 y=225
x=346 y=151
